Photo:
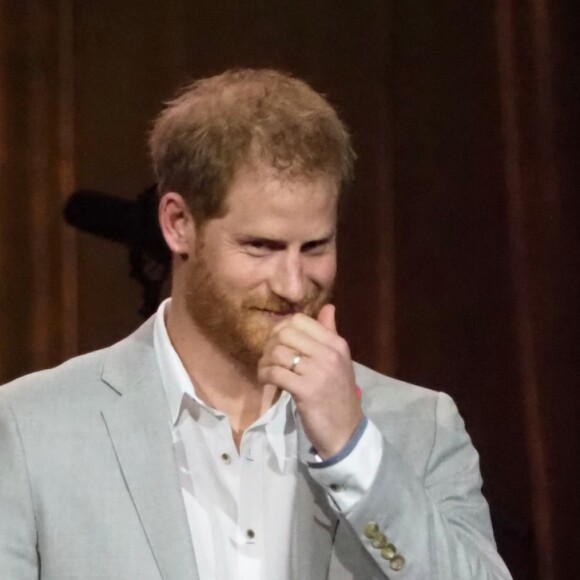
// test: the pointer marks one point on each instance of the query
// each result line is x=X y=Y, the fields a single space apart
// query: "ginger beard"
x=240 y=329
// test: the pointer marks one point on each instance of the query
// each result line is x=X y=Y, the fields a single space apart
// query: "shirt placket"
x=251 y=533
x=216 y=432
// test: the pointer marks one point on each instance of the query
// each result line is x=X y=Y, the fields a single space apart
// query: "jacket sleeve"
x=431 y=526
x=18 y=540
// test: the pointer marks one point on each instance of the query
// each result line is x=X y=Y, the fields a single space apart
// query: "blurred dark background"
x=459 y=265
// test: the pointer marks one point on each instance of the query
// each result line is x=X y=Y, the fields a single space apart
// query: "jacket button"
x=388 y=552
x=397 y=563
x=379 y=541
x=371 y=530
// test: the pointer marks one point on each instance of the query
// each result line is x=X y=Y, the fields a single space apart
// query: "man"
x=227 y=438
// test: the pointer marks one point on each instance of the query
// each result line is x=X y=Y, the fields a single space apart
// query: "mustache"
x=310 y=306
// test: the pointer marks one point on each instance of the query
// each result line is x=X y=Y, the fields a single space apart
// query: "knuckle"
x=285 y=334
x=342 y=346
x=300 y=318
x=277 y=374
x=278 y=352
x=334 y=357
x=262 y=374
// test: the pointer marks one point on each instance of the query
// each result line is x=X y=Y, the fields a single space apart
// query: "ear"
x=177 y=224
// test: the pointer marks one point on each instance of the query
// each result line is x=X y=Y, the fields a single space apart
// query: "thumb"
x=326 y=317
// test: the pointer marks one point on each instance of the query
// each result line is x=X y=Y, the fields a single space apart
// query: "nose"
x=288 y=279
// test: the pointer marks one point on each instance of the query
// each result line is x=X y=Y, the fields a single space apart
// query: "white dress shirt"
x=240 y=505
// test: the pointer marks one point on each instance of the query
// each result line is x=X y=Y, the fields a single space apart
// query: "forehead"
x=260 y=198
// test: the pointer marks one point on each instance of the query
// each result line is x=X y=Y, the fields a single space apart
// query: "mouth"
x=277 y=314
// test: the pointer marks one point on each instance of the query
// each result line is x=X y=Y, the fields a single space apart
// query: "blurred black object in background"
x=133 y=224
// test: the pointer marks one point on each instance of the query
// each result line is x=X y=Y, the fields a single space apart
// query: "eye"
x=262 y=247
x=257 y=244
x=315 y=247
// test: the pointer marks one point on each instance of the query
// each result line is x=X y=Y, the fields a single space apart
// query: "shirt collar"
x=277 y=421
x=176 y=381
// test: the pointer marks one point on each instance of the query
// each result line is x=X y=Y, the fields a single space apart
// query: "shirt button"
x=250 y=534
x=226 y=458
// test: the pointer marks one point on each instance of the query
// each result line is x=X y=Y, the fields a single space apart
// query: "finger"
x=308 y=325
x=299 y=341
x=326 y=317
x=313 y=329
x=280 y=377
x=280 y=355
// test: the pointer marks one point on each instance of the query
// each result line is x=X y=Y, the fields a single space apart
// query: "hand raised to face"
x=307 y=358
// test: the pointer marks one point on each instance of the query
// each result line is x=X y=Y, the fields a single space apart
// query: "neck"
x=220 y=381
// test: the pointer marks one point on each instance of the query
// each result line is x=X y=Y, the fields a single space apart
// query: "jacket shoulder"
x=378 y=390
x=45 y=388
x=76 y=381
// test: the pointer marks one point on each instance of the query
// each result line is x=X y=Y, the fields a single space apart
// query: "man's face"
x=272 y=254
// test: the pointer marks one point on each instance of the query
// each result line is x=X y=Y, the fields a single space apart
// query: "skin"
x=270 y=262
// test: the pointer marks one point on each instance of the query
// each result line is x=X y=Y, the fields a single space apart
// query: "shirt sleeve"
x=349 y=474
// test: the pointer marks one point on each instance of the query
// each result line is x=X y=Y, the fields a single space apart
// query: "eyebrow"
x=277 y=243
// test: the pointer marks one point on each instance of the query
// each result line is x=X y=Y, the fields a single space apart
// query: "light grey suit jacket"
x=89 y=488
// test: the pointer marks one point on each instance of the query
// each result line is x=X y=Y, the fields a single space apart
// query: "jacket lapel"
x=315 y=523
x=139 y=427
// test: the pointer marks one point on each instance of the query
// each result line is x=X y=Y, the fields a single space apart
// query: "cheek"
x=243 y=272
x=322 y=271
